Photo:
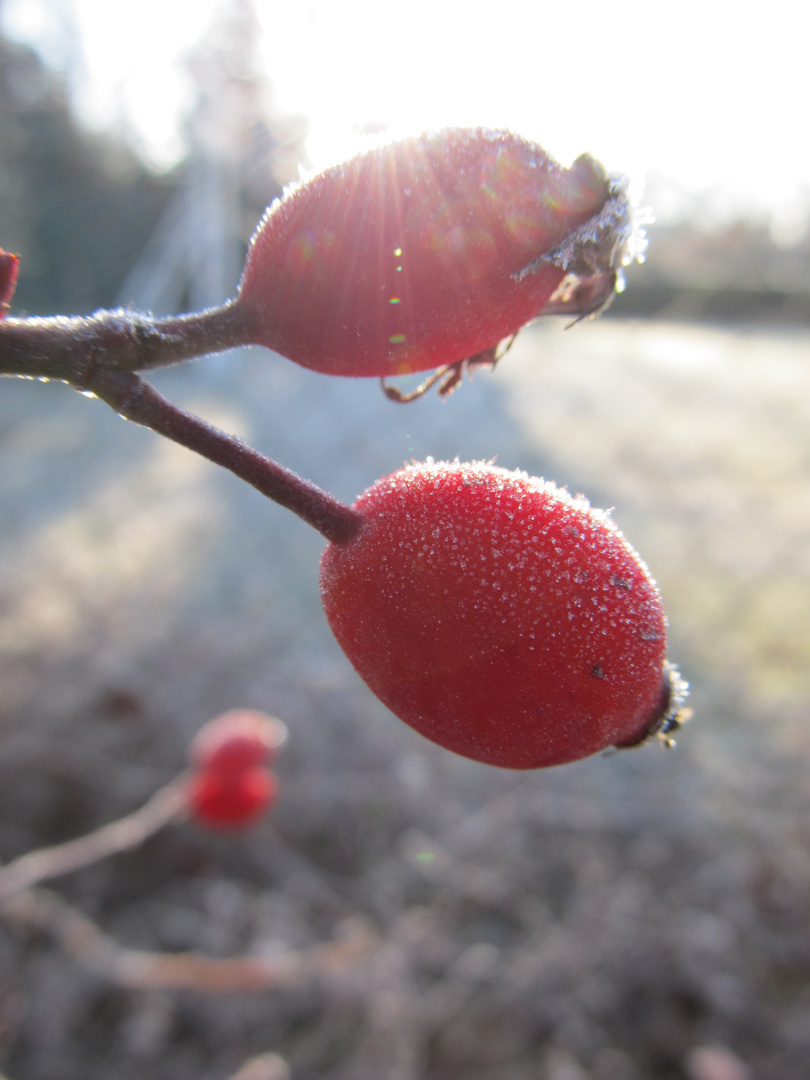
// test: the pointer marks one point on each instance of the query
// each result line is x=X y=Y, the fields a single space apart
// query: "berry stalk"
x=136 y=400
x=167 y=805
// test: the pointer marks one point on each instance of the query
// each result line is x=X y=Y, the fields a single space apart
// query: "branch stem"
x=136 y=400
x=74 y=348
x=100 y=353
x=169 y=804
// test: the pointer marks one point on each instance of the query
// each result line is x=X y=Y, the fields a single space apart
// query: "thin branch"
x=41 y=909
x=100 y=354
x=136 y=400
x=73 y=349
x=165 y=806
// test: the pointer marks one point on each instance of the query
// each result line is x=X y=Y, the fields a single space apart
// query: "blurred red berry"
x=9 y=267
x=230 y=800
x=237 y=740
x=428 y=251
x=501 y=617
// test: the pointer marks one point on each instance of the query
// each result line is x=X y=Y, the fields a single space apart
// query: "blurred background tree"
x=131 y=221
x=97 y=227
x=76 y=206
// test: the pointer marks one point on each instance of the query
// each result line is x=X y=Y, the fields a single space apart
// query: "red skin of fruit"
x=236 y=740
x=9 y=268
x=409 y=257
x=230 y=800
x=498 y=616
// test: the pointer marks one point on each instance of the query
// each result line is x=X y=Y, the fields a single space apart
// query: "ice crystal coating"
x=500 y=616
x=429 y=251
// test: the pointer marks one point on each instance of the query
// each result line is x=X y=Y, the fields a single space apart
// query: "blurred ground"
x=645 y=915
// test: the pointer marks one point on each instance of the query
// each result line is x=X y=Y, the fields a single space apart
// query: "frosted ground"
x=644 y=915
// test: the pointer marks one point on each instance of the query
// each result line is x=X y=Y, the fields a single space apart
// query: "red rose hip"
x=429 y=251
x=501 y=617
x=231 y=800
x=9 y=268
x=229 y=786
x=237 y=740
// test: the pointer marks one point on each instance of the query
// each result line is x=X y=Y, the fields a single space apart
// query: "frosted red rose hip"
x=500 y=617
x=427 y=251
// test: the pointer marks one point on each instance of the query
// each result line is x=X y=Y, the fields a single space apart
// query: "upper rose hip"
x=237 y=740
x=500 y=617
x=428 y=251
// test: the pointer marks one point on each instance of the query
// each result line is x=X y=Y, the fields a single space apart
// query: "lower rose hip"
x=231 y=800
x=501 y=617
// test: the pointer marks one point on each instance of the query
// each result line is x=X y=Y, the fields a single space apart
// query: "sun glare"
x=704 y=100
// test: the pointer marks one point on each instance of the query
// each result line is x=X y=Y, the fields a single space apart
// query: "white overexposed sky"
x=709 y=94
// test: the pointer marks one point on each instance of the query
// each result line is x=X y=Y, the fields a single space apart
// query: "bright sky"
x=712 y=95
